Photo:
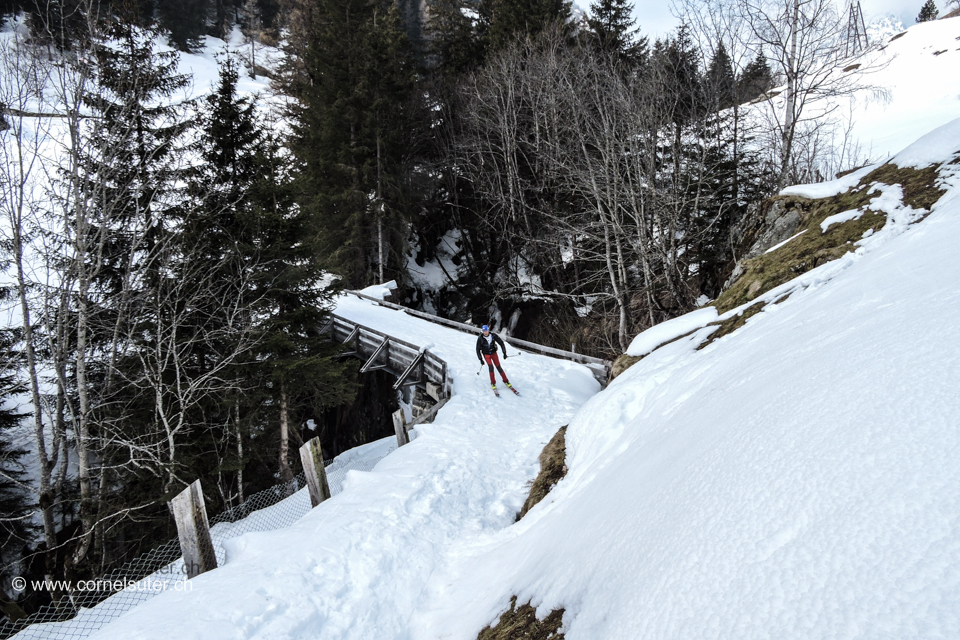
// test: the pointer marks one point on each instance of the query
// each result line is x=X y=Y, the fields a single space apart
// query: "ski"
x=515 y=392
x=496 y=392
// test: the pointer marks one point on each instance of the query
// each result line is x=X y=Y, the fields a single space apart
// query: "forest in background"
x=171 y=260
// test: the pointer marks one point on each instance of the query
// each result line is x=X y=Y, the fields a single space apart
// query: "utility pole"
x=856 y=31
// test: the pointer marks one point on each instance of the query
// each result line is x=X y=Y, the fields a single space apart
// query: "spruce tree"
x=720 y=81
x=351 y=133
x=928 y=12
x=678 y=76
x=756 y=79
x=218 y=237
x=132 y=160
x=455 y=46
x=297 y=363
x=506 y=20
x=247 y=226
x=186 y=22
x=128 y=177
x=613 y=35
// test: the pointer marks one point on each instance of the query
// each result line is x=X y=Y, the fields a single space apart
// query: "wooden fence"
x=599 y=367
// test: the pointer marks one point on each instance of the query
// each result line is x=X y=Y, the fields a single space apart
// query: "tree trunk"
x=286 y=474
x=790 y=101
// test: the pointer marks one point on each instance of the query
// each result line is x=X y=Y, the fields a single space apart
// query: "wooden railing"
x=409 y=363
x=599 y=367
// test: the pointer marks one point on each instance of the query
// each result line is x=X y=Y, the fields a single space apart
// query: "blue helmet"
x=485 y=327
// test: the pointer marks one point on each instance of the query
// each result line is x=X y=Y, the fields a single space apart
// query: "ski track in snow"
x=356 y=566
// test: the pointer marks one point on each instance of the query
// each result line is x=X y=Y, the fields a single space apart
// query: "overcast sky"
x=654 y=19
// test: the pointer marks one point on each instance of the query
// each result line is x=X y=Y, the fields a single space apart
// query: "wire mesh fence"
x=99 y=601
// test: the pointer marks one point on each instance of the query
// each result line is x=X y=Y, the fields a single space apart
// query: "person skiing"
x=487 y=351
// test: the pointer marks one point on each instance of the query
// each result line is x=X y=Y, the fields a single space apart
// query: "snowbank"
x=655 y=336
x=380 y=291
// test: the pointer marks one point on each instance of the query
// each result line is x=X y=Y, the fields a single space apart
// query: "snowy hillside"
x=797 y=478
x=913 y=88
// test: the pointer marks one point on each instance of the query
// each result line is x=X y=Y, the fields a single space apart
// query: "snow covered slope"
x=923 y=84
x=799 y=478
x=911 y=87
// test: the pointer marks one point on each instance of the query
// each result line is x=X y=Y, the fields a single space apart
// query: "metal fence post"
x=193 y=530
x=312 y=458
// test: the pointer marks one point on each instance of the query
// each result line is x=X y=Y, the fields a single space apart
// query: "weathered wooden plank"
x=429 y=415
x=193 y=529
x=312 y=458
x=399 y=426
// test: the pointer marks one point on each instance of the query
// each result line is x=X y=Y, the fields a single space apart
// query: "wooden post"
x=312 y=458
x=400 y=427
x=193 y=530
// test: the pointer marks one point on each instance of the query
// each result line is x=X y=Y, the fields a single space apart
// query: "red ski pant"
x=494 y=361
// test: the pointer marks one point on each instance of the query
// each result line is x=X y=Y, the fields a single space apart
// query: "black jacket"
x=485 y=349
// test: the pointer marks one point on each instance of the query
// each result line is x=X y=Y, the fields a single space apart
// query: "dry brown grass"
x=552 y=470
x=520 y=623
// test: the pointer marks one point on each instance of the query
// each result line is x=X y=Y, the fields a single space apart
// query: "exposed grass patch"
x=813 y=248
x=733 y=323
x=552 y=470
x=520 y=623
x=920 y=189
x=622 y=363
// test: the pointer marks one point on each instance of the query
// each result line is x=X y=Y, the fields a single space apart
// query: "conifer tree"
x=219 y=237
x=128 y=171
x=247 y=226
x=229 y=145
x=720 y=80
x=756 y=79
x=928 y=12
x=185 y=20
x=507 y=20
x=613 y=34
x=292 y=290
x=351 y=132
x=455 y=46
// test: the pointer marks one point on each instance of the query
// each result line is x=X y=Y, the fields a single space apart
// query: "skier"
x=487 y=351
